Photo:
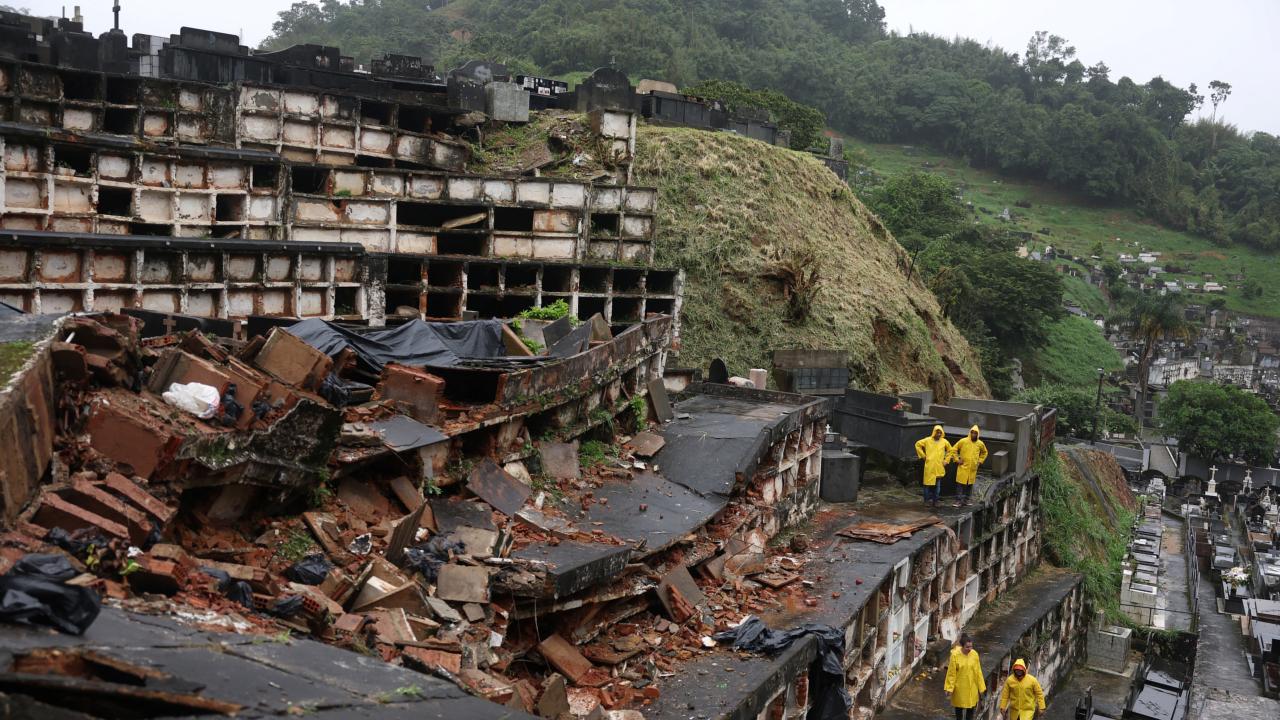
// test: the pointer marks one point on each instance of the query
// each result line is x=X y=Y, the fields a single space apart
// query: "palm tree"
x=1154 y=318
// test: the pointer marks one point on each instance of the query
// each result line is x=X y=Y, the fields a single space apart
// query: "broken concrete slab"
x=476 y=542
x=131 y=491
x=433 y=660
x=94 y=499
x=659 y=402
x=443 y=611
x=54 y=512
x=364 y=499
x=406 y=492
x=473 y=612
x=563 y=656
x=560 y=460
x=553 y=702
x=451 y=513
x=461 y=583
x=497 y=487
x=646 y=444
x=404 y=534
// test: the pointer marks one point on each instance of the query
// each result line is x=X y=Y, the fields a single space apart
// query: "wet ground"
x=1175 y=601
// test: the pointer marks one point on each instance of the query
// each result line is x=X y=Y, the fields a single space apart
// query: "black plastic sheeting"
x=34 y=592
x=831 y=700
x=415 y=343
x=310 y=570
x=428 y=557
x=237 y=591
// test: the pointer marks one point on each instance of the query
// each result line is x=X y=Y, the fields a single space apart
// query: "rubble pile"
x=267 y=485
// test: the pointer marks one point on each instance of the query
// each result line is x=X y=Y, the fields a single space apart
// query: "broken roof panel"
x=651 y=511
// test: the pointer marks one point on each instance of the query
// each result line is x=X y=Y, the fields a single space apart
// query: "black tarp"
x=415 y=343
x=831 y=699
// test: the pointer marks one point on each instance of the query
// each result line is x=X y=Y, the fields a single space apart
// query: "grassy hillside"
x=1072 y=355
x=779 y=253
x=1088 y=512
x=1075 y=224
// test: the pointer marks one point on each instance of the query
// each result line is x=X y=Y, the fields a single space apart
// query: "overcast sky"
x=1185 y=41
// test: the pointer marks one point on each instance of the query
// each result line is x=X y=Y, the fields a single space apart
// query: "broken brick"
x=163 y=577
x=413 y=391
x=565 y=657
x=54 y=512
x=96 y=500
x=554 y=700
x=131 y=491
x=118 y=434
x=434 y=659
x=292 y=361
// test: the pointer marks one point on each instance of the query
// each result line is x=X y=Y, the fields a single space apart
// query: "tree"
x=1076 y=408
x=917 y=207
x=1218 y=422
x=1219 y=91
x=1154 y=318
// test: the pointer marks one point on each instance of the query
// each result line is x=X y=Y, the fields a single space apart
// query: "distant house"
x=1148 y=257
x=1213 y=287
x=1192 y=287
x=1154 y=270
x=1172 y=286
x=1126 y=258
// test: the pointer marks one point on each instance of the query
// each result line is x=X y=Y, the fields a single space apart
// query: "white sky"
x=1185 y=41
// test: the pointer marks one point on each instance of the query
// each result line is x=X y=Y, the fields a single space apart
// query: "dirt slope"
x=780 y=254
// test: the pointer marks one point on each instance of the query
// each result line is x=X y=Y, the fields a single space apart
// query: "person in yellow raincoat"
x=934 y=450
x=964 y=681
x=970 y=452
x=1022 y=694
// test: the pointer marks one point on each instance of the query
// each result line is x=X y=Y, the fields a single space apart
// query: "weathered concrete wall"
x=27 y=428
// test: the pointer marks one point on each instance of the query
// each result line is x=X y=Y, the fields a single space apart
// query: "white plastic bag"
x=196 y=398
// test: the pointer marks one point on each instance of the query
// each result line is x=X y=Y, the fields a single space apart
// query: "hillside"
x=761 y=231
x=1074 y=223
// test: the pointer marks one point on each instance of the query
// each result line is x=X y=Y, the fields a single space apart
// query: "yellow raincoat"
x=934 y=451
x=1023 y=696
x=964 y=678
x=970 y=452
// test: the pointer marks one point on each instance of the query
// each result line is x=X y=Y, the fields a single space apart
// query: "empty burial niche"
x=115 y=201
x=627 y=281
x=375 y=113
x=449 y=217
x=444 y=306
x=445 y=274
x=522 y=276
x=78 y=160
x=482 y=275
x=661 y=306
x=513 y=305
x=661 y=282
x=626 y=310
x=122 y=90
x=79 y=86
x=344 y=301
x=484 y=305
x=413 y=119
x=588 y=306
x=472 y=243
x=151 y=229
x=605 y=224
x=557 y=278
x=120 y=121
x=266 y=177
x=404 y=272
x=309 y=180
x=593 y=279
x=514 y=219
x=229 y=208
x=403 y=302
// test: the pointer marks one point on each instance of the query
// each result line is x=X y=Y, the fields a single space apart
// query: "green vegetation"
x=594 y=452
x=297 y=546
x=1085 y=532
x=1076 y=408
x=804 y=122
x=1071 y=355
x=1070 y=222
x=779 y=253
x=13 y=355
x=1002 y=303
x=1219 y=421
x=554 y=311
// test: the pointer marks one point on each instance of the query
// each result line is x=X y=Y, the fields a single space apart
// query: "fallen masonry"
x=310 y=419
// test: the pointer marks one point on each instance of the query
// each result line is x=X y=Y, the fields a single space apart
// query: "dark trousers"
x=963 y=491
x=931 y=493
x=965 y=713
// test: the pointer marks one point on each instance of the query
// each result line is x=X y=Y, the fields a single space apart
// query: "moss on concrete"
x=13 y=355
